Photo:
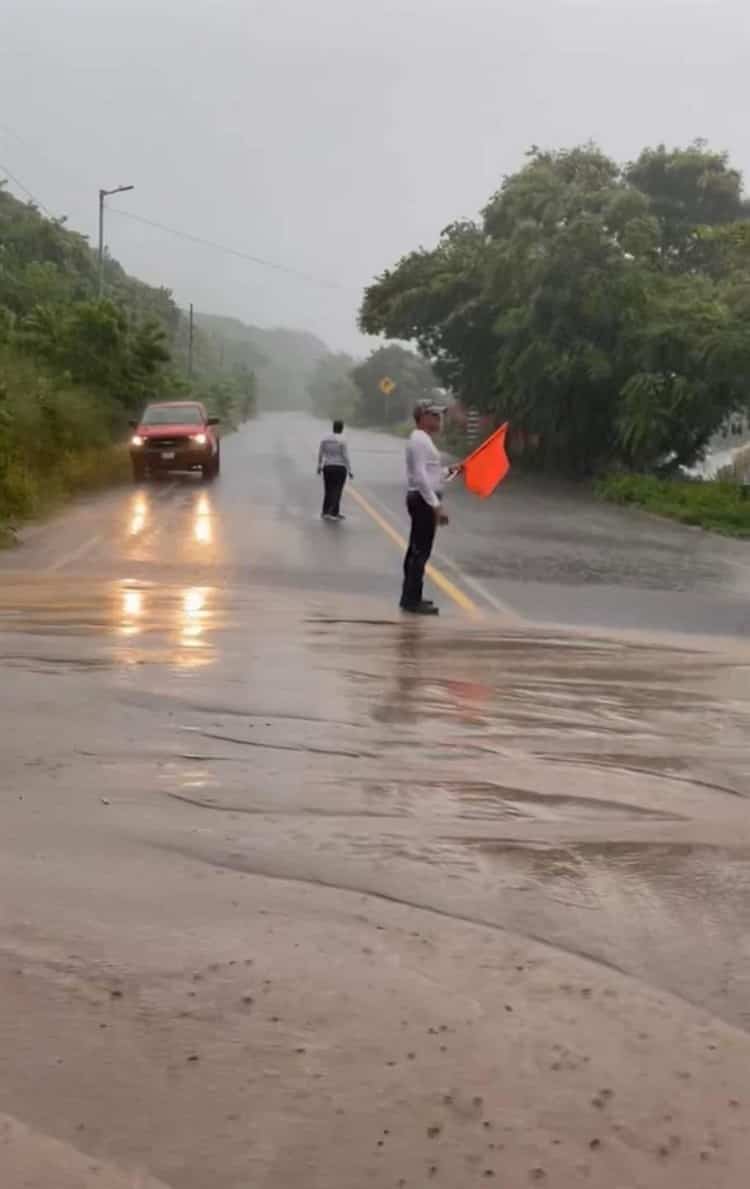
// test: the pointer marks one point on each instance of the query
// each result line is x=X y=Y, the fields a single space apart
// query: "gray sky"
x=334 y=135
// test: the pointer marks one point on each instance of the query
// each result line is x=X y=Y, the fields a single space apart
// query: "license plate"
x=167 y=455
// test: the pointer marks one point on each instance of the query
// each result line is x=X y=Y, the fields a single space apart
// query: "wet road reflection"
x=587 y=792
x=177 y=623
x=163 y=524
x=132 y=611
x=231 y=770
x=194 y=617
x=203 y=524
x=138 y=513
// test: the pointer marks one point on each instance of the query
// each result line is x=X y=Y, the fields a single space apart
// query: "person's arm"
x=347 y=462
x=320 y=457
x=419 y=472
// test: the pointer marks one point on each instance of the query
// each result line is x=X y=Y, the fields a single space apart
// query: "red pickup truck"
x=175 y=436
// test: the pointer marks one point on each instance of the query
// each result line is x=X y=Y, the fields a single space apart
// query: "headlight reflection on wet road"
x=138 y=514
x=166 y=615
x=131 y=612
x=193 y=617
x=203 y=531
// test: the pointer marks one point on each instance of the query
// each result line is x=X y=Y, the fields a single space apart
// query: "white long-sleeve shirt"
x=333 y=452
x=424 y=470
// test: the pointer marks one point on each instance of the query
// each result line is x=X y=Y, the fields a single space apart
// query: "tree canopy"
x=601 y=308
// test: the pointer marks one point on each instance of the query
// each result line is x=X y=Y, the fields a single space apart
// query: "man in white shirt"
x=425 y=476
x=334 y=465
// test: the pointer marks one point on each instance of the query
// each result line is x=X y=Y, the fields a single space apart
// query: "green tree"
x=438 y=300
x=588 y=307
x=412 y=376
x=690 y=361
x=687 y=189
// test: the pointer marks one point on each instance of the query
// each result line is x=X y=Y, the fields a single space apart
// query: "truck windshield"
x=172 y=415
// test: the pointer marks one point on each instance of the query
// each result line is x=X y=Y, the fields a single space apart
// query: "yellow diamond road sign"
x=387 y=386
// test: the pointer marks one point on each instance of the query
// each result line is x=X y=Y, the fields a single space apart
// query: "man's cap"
x=427 y=406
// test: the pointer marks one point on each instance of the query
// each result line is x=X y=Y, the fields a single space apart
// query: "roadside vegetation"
x=56 y=437
x=721 y=506
x=75 y=366
x=602 y=309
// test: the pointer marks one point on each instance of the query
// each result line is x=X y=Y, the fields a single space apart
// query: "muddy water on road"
x=589 y=793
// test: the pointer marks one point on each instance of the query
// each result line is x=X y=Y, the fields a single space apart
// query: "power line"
x=207 y=243
x=312 y=278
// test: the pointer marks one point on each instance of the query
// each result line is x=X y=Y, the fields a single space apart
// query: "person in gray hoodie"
x=335 y=467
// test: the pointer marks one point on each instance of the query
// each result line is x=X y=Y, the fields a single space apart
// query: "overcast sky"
x=334 y=135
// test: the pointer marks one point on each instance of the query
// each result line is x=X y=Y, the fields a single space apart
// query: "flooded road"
x=296 y=893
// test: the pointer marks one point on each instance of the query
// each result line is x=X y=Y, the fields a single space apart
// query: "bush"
x=56 y=438
x=718 y=506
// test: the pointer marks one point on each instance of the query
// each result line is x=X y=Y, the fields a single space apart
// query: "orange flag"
x=487 y=465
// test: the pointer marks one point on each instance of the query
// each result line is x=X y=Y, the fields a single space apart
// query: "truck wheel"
x=139 y=472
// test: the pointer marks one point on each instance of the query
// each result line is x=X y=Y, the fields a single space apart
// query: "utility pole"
x=100 y=270
x=191 y=326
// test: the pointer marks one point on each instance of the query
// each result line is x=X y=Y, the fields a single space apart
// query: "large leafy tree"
x=591 y=305
x=687 y=189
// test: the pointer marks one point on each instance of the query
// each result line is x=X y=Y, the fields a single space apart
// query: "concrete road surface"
x=294 y=892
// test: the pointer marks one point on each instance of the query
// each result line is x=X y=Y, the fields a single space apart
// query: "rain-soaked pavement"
x=294 y=892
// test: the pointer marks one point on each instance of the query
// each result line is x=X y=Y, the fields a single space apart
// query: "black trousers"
x=334 y=478
x=421 y=539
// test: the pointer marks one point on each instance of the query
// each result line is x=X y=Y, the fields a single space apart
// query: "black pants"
x=334 y=478
x=421 y=538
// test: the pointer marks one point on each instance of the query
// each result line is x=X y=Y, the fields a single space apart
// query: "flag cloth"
x=487 y=465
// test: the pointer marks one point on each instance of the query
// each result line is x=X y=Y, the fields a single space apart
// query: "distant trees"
x=602 y=309
x=232 y=397
x=411 y=376
x=282 y=359
x=340 y=387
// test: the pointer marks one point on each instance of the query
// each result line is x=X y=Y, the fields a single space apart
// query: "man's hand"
x=441 y=516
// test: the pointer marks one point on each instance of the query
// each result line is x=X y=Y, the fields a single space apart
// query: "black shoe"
x=423 y=608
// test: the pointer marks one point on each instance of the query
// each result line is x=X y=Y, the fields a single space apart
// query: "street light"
x=102 y=195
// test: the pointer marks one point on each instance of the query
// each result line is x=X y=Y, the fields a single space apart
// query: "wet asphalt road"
x=209 y=704
x=537 y=552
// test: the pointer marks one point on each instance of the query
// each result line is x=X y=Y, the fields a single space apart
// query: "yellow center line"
x=438 y=577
